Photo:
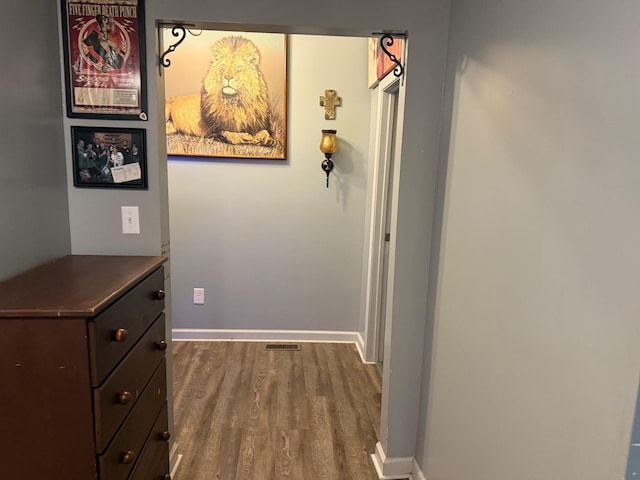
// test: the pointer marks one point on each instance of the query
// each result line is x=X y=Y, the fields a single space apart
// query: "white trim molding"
x=394 y=467
x=174 y=459
x=417 y=471
x=384 y=111
x=245 y=335
x=360 y=347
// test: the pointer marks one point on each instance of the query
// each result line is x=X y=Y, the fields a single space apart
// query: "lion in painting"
x=233 y=105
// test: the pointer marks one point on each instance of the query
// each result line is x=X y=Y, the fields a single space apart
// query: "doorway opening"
x=251 y=232
x=328 y=239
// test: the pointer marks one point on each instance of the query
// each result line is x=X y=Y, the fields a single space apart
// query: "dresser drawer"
x=154 y=461
x=120 y=391
x=118 y=328
x=126 y=447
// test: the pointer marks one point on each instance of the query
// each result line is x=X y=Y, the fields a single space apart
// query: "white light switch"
x=130 y=220
x=198 y=296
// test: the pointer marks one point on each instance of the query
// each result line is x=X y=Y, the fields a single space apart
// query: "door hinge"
x=387 y=237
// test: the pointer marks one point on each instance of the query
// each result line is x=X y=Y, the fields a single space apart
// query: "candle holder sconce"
x=328 y=146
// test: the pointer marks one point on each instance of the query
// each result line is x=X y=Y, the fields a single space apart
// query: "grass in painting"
x=181 y=144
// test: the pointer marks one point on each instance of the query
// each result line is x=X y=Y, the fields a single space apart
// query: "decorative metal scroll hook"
x=176 y=31
x=399 y=70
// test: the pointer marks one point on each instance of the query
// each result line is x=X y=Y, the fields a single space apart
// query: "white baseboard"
x=360 y=348
x=416 y=471
x=209 y=334
x=392 y=468
x=174 y=460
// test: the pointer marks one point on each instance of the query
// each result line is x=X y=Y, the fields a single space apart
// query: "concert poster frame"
x=105 y=59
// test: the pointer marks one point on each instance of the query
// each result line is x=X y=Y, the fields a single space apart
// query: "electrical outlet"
x=198 y=296
x=130 y=220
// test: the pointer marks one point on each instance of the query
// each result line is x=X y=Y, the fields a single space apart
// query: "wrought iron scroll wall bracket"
x=387 y=40
x=177 y=30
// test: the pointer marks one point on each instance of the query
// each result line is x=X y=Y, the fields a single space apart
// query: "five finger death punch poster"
x=104 y=58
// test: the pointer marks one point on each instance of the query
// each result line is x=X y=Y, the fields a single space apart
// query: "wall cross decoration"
x=330 y=101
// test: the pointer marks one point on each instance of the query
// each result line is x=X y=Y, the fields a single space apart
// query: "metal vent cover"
x=283 y=346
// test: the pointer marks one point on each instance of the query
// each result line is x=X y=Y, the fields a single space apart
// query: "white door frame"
x=382 y=132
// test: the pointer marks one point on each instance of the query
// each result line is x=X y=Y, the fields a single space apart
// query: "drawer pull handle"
x=166 y=435
x=124 y=398
x=162 y=345
x=120 y=335
x=165 y=477
x=127 y=457
x=160 y=294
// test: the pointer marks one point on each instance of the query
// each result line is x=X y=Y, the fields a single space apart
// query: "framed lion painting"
x=226 y=95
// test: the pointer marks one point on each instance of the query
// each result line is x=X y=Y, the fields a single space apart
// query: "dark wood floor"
x=245 y=413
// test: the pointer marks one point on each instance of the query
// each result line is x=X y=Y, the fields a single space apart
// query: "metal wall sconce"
x=328 y=146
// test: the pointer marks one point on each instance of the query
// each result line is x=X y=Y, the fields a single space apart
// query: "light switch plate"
x=130 y=221
x=198 y=296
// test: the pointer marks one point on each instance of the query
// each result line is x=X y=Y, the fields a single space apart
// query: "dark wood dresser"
x=82 y=371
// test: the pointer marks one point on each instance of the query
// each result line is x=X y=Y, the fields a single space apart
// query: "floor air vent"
x=283 y=346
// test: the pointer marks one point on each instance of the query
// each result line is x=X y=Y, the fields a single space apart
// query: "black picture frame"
x=105 y=59
x=104 y=168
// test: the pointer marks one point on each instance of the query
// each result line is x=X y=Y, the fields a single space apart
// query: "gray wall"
x=34 y=218
x=272 y=246
x=535 y=362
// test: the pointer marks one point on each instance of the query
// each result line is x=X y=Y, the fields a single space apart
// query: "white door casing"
x=386 y=153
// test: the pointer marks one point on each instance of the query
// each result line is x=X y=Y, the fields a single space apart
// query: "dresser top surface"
x=73 y=286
